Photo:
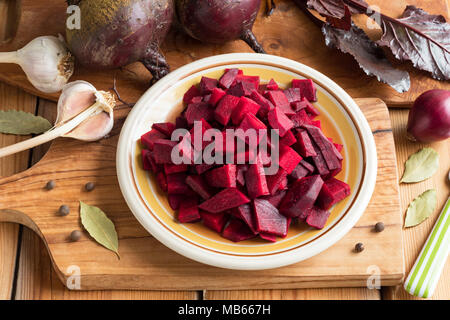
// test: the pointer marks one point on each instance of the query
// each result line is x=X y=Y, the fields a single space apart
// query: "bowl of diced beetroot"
x=247 y=161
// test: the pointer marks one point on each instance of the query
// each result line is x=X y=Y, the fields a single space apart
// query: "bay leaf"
x=22 y=123
x=99 y=226
x=420 y=166
x=421 y=208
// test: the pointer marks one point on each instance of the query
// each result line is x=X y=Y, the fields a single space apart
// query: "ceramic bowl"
x=341 y=119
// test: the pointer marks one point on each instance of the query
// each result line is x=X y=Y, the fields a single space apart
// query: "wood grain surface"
x=11 y=98
x=288 y=33
x=147 y=264
x=414 y=238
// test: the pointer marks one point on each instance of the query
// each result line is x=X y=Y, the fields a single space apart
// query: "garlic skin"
x=78 y=96
x=46 y=61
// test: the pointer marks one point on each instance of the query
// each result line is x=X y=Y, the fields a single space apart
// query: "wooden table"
x=25 y=268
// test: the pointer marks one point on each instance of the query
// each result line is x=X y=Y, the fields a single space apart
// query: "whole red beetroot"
x=219 y=21
x=115 y=33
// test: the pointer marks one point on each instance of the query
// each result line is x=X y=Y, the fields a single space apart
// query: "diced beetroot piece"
x=317 y=124
x=175 y=168
x=188 y=211
x=216 y=95
x=162 y=150
x=298 y=105
x=305 y=104
x=207 y=85
x=175 y=200
x=265 y=104
x=199 y=185
x=332 y=192
x=308 y=166
x=154 y=167
x=165 y=128
x=289 y=159
x=268 y=237
x=301 y=196
x=320 y=163
x=185 y=150
x=193 y=136
x=162 y=181
x=284 y=183
x=237 y=231
x=288 y=139
x=150 y=137
x=245 y=213
x=190 y=94
x=145 y=160
x=197 y=99
x=306 y=87
x=181 y=123
x=268 y=219
x=206 y=98
x=278 y=120
x=214 y=221
x=255 y=180
x=293 y=95
x=274 y=181
x=338 y=147
x=228 y=78
x=299 y=172
x=239 y=89
x=225 y=109
x=226 y=199
x=304 y=144
x=328 y=150
x=317 y=218
x=279 y=100
x=240 y=174
x=222 y=177
x=202 y=168
x=300 y=118
x=254 y=80
x=244 y=107
x=176 y=184
x=198 y=111
x=250 y=121
x=276 y=199
x=272 y=85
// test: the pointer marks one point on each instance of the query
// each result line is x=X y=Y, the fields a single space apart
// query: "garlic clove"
x=94 y=128
x=75 y=97
x=78 y=96
x=47 y=63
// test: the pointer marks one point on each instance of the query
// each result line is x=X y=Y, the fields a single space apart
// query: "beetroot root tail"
x=249 y=37
x=156 y=64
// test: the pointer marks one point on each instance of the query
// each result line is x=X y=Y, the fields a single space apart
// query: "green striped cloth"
x=425 y=273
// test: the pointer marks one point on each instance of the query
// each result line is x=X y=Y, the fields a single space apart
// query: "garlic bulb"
x=76 y=97
x=46 y=61
x=84 y=113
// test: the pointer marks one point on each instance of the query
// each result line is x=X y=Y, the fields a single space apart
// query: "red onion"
x=219 y=21
x=115 y=33
x=429 y=118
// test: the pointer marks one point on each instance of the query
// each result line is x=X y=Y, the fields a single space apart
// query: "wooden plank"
x=287 y=33
x=300 y=294
x=36 y=278
x=414 y=238
x=147 y=264
x=11 y=98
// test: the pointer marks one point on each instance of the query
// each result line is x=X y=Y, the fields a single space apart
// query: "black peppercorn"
x=359 y=247
x=64 y=210
x=50 y=185
x=379 y=227
x=89 y=186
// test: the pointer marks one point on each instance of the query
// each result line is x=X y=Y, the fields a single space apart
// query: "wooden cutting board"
x=288 y=33
x=147 y=264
